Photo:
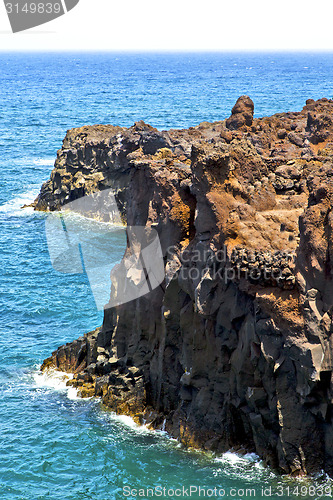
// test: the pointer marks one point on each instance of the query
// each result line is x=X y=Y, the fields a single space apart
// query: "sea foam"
x=14 y=206
x=54 y=379
x=44 y=161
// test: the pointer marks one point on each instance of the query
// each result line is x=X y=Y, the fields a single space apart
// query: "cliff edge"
x=234 y=349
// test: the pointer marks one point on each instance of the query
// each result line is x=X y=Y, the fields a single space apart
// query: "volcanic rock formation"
x=234 y=350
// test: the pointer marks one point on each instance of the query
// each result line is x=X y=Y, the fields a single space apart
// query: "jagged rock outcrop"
x=234 y=350
x=100 y=157
x=241 y=113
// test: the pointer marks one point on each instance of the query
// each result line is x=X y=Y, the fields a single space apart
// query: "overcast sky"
x=180 y=25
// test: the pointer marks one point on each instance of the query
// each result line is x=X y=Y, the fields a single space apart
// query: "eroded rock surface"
x=234 y=350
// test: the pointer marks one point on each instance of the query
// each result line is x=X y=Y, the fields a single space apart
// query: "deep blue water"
x=54 y=446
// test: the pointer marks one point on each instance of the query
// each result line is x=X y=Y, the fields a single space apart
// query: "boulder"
x=241 y=114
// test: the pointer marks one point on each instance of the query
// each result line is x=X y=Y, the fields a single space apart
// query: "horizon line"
x=167 y=51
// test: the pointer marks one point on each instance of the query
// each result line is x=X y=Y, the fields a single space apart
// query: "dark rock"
x=295 y=139
x=238 y=354
x=281 y=133
x=241 y=114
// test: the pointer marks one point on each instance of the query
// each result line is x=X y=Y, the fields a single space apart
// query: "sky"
x=180 y=25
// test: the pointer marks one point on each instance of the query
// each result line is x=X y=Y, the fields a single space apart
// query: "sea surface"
x=52 y=444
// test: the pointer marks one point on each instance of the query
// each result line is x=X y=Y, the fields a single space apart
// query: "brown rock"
x=241 y=114
x=240 y=353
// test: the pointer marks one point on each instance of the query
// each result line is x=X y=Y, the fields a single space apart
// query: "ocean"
x=53 y=444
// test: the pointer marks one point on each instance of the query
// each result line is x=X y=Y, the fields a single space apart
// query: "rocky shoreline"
x=239 y=353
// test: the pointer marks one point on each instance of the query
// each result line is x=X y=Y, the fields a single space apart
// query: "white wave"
x=44 y=161
x=56 y=380
x=14 y=206
x=235 y=458
x=72 y=393
x=129 y=422
x=251 y=457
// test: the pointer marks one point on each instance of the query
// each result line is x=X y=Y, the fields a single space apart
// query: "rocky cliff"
x=234 y=349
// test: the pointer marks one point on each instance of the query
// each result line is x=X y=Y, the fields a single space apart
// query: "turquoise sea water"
x=53 y=445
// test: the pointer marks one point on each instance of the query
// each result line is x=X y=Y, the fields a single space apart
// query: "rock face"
x=100 y=157
x=241 y=114
x=234 y=350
